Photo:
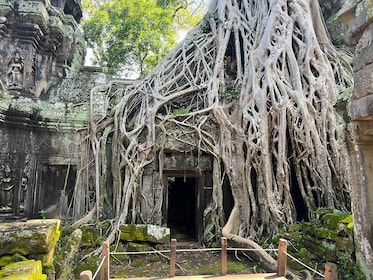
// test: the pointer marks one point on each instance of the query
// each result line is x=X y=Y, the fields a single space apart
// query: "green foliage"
x=132 y=35
x=229 y=94
x=346 y=94
x=43 y=214
x=179 y=112
x=348 y=267
x=129 y=32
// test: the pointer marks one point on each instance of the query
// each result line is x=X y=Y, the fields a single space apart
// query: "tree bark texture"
x=253 y=86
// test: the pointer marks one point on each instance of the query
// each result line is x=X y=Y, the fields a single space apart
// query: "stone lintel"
x=27 y=32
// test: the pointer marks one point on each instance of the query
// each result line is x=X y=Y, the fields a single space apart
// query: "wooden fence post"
x=85 y=275
x=173 y=258
x=331 y=271
x=106 y=264
x=281 y=258
x=223 y=256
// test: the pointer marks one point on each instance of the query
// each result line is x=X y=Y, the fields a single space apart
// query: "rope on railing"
x=198 y=250
x=140 y=253
x=191 y=250
x=99 y=268
x=247 y=249
x=306 y=266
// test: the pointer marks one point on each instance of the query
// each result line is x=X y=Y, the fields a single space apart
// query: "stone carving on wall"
x=16 y=169
x=15 y=72
x=26 y=175
x=43 y=40
x=6 y=189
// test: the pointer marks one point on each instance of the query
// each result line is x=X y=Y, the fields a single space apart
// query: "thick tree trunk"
x=257 y=82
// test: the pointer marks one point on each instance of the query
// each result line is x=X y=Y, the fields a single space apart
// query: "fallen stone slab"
x=145 y=233
x=25 y=270
x=33 y=237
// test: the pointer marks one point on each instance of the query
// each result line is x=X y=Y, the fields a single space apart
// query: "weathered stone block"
x=362 y=109
x=137 y=247
x=26 y=270
x=363 y=15
x=363 y=82
x=29 y=238
x=146 y=233
x=364 y=58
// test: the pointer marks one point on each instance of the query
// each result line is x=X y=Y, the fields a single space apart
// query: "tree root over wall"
x=253 y=86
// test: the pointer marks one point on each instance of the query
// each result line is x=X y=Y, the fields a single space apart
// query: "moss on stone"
x=31 y=237
x=26 y=270
x=90 y=236
x=5 y=260
x=349 y=221
x=148 y=233
x=131 y=233
x=138 y=247
x=332 y=220
x=324 y=233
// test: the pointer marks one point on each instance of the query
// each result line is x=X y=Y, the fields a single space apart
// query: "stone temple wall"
x=40 y=147
x=361 y=128
x=44 y=104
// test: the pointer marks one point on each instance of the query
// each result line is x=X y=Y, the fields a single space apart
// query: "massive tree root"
x=253 y=86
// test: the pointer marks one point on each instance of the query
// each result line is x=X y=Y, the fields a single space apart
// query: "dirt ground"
x=187 y=263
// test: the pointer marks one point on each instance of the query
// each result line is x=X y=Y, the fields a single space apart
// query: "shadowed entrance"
x=181 y=215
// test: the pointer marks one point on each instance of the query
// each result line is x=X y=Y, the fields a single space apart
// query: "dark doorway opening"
x=181 y=214
x=57 y=189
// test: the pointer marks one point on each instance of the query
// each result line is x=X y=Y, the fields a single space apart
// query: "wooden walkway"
x=259 y=276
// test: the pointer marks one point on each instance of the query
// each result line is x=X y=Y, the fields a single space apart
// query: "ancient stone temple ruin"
x=362 y=127
x=351 y=24
x=44 y=105
x=41 y=50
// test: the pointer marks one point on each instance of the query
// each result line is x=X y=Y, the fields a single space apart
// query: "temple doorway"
x=181 y=214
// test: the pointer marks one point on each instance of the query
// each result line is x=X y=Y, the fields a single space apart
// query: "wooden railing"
x=103 y=271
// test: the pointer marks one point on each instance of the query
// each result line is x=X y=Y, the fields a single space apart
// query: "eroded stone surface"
x=39 y=42
x=148 y=233
x=25 y=270
x=31 y=238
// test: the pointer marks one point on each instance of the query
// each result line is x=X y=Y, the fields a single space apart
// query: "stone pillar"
x=361 y=128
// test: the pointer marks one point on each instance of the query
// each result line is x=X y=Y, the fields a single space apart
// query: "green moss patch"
x=26 y=270
x=145 y=233
x=31 y=237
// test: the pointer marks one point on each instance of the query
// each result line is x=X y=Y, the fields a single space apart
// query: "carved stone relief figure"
x=6 y=190
x=15 y=72
x=25 y=179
